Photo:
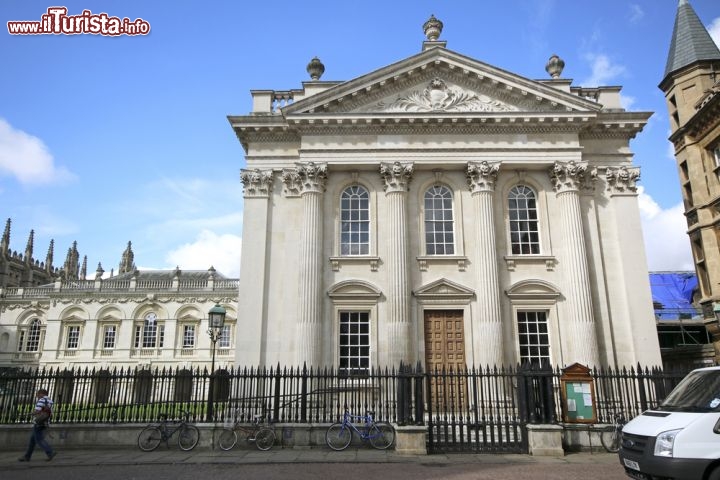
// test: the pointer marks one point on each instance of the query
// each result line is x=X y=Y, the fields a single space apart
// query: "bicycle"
x=258 y=432
x=611 y=437
x=339 y=435
x=150 y=437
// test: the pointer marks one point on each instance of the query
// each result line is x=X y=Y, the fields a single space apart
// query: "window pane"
x=533 y=337
x=355 y=218
x=523 y=223
x=439 y=223
x=354 y=342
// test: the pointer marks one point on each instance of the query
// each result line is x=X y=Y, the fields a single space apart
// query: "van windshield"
x=698 y=392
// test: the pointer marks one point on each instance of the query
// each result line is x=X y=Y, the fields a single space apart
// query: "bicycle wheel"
x=264 y=438
x=227 y=438
x=610 y=439
x=188 y=437
x=381 y=435
x=149 y=438
x=338 y=436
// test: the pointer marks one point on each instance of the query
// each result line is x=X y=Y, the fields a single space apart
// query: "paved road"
x=301 y=464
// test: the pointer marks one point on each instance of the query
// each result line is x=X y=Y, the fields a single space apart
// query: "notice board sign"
x=578 y=394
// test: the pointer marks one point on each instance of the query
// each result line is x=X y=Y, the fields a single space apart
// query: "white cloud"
x=27 y=158
x=209 y=249
x=627 y=101
x=714 y=29
x=666 y=242
x=603 y=70
x=636 y=13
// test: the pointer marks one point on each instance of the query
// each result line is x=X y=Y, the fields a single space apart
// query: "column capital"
x=622 y=180
x=572 y=176
x=396 y=176
x=306 y=177
x=256 y=182
x=481 y=176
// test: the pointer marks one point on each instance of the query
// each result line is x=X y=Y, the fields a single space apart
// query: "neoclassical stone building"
x=442 y=210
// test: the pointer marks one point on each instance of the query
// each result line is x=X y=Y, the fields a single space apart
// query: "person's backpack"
x=43 y=415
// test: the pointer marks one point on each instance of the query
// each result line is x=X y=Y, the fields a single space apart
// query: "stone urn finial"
x=432 y=28
x=555 y=66
x=315 y=68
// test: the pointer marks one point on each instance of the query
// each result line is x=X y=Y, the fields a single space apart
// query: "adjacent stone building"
x=445 y=211
x=135 y=319
x=692 y=88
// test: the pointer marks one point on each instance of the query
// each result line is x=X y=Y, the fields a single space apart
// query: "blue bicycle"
x=339 y=435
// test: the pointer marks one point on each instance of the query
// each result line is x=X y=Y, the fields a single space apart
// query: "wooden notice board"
x=578 y=394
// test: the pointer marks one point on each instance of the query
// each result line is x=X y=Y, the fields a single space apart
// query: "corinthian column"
x=567 y=179
x=396 y=177
x=481 y=179
x=309 y=178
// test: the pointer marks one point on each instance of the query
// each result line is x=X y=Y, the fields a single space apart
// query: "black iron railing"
x=404 y=395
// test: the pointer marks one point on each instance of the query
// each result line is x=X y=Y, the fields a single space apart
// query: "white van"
x=680 y=439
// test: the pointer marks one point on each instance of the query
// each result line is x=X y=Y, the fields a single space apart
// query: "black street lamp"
x=216 y=320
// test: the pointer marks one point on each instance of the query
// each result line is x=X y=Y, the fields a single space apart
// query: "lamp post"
x=216 y=320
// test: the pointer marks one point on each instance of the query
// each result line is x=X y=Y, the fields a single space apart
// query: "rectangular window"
x=109 y=335
x=33 y=337
x=149 y=335
x=224 y=338
x=188 y=336
x=73 y=336
x=354 y=343
x=533 y=337
x=716 y=156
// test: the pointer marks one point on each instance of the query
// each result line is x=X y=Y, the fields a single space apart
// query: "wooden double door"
x=445 y=358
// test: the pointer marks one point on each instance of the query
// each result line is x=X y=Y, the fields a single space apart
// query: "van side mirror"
x=716 y=428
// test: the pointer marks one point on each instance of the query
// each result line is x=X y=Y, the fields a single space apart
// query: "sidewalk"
x=173 y=455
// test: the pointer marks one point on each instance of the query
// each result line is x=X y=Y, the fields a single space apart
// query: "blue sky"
x=106 y=140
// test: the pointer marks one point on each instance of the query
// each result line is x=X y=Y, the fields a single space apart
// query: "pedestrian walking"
x=41 y=419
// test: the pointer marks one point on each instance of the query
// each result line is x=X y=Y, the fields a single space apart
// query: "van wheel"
x=714 y=474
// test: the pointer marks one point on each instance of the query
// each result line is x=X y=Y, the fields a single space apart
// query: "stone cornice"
x=586 y=125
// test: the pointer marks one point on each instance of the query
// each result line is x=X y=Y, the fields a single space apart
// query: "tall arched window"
x=439 y=227
x=523 y=214
x=355 y=221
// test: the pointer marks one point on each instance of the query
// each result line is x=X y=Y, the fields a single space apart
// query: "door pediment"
x=444 y=289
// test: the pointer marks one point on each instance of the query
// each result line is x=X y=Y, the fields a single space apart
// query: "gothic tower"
x=692 y=85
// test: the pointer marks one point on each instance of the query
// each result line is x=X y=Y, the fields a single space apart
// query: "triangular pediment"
x=444 y=288
x=439 y=81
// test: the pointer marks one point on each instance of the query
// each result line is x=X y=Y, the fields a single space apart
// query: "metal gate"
x=475 y=411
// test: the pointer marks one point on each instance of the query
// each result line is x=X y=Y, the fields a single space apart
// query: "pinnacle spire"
x=127 y=262
x=690 y=41
x=29 y=246
x=49 y=256
x=72 y=263
x=5 y=242
x=83 y=269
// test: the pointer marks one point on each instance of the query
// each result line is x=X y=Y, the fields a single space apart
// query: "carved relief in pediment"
x=439 y=96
